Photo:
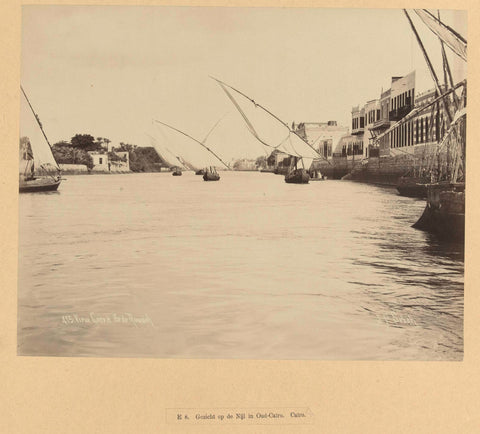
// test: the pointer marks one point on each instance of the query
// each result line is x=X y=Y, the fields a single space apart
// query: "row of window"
x=417 y=131
x=358 y=122
x=352 y=149
x=405 y=99
x=373 y=116
x=325 y=149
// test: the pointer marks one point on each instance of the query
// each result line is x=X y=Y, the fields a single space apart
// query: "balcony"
x=397 y=114
x=382 y=124
x=358 y=131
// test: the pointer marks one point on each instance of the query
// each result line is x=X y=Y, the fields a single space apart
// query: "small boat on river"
x=274 y=133
x=182 y=138
x=211 y=174
x=39 y=171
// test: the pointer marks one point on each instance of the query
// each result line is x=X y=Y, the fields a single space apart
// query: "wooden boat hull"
x=210 y=177
x=444 y=214
x=177 y=173
x=39 y=185
x=412 y=187
x=297 y=176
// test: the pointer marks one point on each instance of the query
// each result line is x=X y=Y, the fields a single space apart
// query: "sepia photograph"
x=242 y=183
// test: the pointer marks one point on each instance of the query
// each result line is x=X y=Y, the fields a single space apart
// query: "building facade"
x=110 y=161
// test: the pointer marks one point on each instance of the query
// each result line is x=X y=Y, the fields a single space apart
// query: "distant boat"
x=177 y=172
x=272 y=132
x=297 y=176
x=211 y=174
x=39 y=169
x=208 y=174
x=315 y=175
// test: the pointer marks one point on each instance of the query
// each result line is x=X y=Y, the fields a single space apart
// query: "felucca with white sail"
x=39 y=171
x=175 y=163
x=186 y=141
x=273 y=133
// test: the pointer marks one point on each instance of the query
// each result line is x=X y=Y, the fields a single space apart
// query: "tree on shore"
x=261 y=161
x=64 y=153
x=86 y=142
x=142 y=159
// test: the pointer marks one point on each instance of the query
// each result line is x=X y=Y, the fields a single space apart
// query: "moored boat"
x=412 y=187
x=40 y=184
x=39 y=169
x=444 y=214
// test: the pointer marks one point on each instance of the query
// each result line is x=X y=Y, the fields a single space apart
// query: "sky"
x=109 y=71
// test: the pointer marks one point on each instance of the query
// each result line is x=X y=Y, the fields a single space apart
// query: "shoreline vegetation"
x=83 y=149
x=87 y=155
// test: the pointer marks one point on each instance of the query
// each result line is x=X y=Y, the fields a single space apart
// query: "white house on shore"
x=102 y=162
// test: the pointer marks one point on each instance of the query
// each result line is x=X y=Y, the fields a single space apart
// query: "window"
x=100 y=159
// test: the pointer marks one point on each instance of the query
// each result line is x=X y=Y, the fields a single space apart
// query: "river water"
x=151 y=265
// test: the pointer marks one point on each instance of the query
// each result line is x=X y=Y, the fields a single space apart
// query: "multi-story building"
x=377 y=115
x=324 y=137
x=418 y=133
x=401 y=132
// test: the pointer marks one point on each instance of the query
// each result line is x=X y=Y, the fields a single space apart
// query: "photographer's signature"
x=94 y=318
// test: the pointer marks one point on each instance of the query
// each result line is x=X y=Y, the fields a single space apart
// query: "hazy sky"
x=108 y=71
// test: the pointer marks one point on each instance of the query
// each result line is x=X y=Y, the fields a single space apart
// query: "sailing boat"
x=40 y=170
x=444 y=213
x=175 y=163
x=272 y=132
x=209 y=173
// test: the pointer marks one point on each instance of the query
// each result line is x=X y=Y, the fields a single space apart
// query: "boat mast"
x=429 y=64
x=195 y=140
x=222 y=84
x=170 y=152
x=36 y=117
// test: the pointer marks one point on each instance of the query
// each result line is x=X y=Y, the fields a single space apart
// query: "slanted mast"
x=269 y=129
x=191 y=139
x=41 y=148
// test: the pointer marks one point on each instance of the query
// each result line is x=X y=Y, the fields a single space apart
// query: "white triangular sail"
x=30 y=127
x=451 y=38
x=269 y=129
x=187 y=148
x=160 y=145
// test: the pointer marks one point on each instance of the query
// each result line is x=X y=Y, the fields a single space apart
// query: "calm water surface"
x=248 y=267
